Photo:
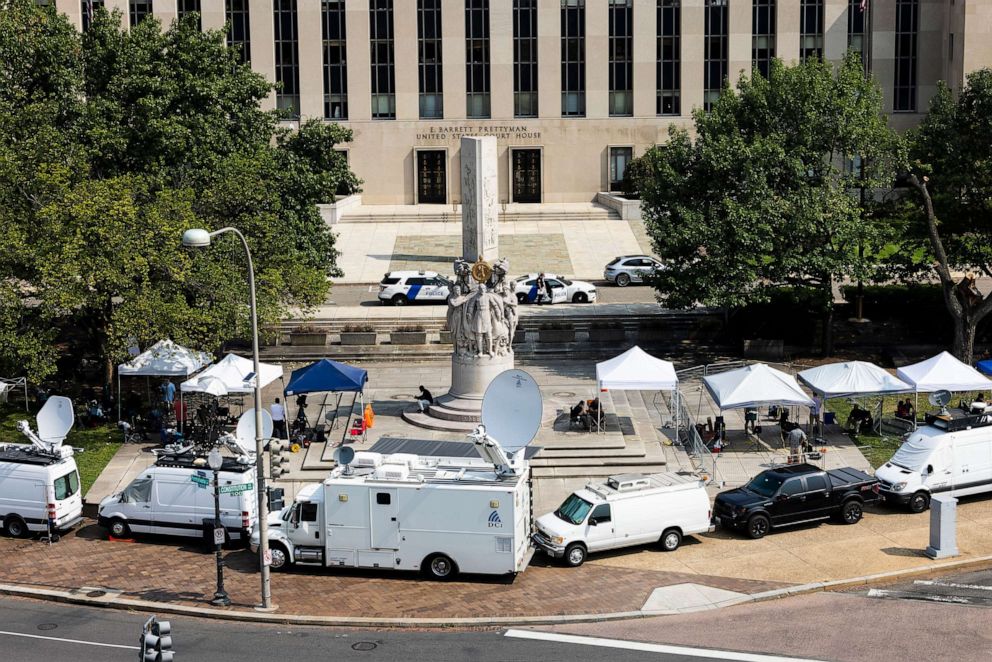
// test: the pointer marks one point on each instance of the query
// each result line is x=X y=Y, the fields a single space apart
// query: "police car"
x=402 y=287
x=562 y=289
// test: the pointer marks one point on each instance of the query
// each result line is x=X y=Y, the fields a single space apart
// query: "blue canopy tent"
x=985 y=367
x=327 y=376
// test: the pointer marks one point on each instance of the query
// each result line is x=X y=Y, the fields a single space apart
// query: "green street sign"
x=236 y=489
x=202 y=481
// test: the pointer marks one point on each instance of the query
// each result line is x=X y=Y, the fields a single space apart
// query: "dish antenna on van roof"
x=511 y=416
x=940 y=399
x=344 y=456
x=54 y=422
x=243 y=440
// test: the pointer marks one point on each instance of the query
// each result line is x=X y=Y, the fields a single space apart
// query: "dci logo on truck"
x=494 y=521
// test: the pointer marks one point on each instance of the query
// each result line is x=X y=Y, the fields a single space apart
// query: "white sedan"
x=562 y=290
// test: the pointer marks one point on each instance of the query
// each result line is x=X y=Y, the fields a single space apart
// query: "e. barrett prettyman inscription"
x=499 y=131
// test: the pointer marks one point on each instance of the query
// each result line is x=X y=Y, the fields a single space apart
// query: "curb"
x=112 y=601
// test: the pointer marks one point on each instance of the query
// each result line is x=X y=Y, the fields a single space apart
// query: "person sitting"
x=902 y=411
x=578 y=415
x=424 y=399
x=94 y=414
x=594 y=412
x=910 y=411
x=856 y=418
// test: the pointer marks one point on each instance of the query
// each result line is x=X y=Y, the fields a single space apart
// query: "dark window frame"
x=429 y=59
x=184 y=7
x=573 y=58
x=87 y=6
x=904 y=82
x=857 y=33
x=716 y=54
x=334 y=43
x=811 y=28
x=286 y=39
x=621 y=57
x=525 y=58
x=138 y=10
x=478 y=87
x=763 y=35
x=382 y=60
x=238 y=16
x=668 y=73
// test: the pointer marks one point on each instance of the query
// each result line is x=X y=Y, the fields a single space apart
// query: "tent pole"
x=118 y=396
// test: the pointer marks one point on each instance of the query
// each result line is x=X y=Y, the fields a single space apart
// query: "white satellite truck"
x=951 y=454
x=440 y=516
x=39 y=482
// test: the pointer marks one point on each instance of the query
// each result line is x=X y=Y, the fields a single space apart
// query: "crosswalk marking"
x=969 y=587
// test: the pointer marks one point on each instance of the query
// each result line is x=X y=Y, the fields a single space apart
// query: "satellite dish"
x=244 y=434
x=512 y=409
x=344 y=455
x=55 y=420
x=939 y=398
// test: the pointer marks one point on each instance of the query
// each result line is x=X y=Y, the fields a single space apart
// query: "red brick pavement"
x=175 y=571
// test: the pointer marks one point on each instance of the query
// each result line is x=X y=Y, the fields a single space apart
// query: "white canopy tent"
x=236 y=373
x=754 y=385
x=9 y=384
x=850 y=379
x=163 y=359
x=943 y=372
x=636 y=370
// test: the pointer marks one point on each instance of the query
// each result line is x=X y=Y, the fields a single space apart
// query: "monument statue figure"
x=480 y=313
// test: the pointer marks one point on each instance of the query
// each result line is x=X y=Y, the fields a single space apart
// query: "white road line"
x=928 y=582
x=908 y=595
x=708 y=653
x=69 y=641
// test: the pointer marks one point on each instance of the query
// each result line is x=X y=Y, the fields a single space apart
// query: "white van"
x=37 y=487
x=629 y=509
x=175 y=497
x=948 y=456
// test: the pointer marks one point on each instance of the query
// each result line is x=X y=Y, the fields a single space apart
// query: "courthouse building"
x=572 y=89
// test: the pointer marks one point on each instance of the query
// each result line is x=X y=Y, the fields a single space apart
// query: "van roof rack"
x=190 y=461
x=957 y=419
x=24 y=454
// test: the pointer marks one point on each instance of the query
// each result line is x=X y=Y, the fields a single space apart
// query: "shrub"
x=358 y=328
x=410 y=328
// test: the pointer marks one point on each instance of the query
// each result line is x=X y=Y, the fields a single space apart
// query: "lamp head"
x=196 y=238
x=214 y=460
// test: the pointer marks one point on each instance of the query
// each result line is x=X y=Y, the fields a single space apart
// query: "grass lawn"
x=99 y=444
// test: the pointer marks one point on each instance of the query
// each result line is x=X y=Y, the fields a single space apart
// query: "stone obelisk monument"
x=482 y=310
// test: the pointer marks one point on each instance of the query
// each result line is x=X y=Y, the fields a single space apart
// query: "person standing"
x=540 y=286
x=168 y=392
x=796 y=440
x=278 y=419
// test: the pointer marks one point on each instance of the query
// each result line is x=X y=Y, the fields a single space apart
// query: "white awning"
x=236 y=374
x=755 y=385
x=853 y=378
x=636 y=370
x=943 y=372
x=165 y=359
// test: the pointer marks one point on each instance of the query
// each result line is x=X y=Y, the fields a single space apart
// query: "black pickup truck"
x=795 y=493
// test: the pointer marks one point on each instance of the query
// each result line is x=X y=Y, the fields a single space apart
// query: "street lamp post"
x=198 y=238
x=215 y=461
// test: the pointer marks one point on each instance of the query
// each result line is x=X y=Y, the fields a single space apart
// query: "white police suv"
x=402 y=287
x=562 y=290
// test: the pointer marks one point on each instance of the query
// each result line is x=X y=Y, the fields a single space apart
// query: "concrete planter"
x=556 y=335
x=408 y=337
x=358 y=338
x=444 y=337
x=308 y=339
x=607 y=335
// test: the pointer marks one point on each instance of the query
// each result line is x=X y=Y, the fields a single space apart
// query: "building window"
x=621 y=63
x=810 y=29
x=573 y=57
x=287 y=57
x=907 y=24
x=138 y=10
x=762 y=35
x=477 y=58
x=950 y=47
x=525 y=58
x=715 y=63
x=429 y=47
x=89 y=8
x=619 y=158
x=383 y=69
x=856 y=39
x=335 y=62
x=668 y=69
x=239 y=29
x=185 y=7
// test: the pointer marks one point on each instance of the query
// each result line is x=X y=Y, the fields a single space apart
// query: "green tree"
x=763 y=196
x=951 y=171
x=114 y=142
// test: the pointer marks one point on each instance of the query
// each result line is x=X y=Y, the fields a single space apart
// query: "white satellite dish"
x=939 y=398
x=55 y=420
x=512 y=409
x=244 y=434
x=344 y=455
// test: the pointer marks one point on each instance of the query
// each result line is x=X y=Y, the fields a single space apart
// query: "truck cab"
x=295 y=531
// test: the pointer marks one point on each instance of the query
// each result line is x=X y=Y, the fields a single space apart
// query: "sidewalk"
x=129 y=461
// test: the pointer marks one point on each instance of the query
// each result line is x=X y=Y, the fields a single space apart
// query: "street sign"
x=235 y=489
x=219 y=535
x=201 y=481
x=267 y=557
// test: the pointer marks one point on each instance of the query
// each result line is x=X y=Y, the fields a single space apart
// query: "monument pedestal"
x=460 y=409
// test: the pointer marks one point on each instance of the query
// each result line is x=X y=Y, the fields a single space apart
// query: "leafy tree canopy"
x=114 y=142
x=764 y=196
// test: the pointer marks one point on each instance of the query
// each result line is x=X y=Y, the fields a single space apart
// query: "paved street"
x=365 y=295
x=42 y=631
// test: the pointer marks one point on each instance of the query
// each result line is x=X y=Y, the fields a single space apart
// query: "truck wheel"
x=15 y=527
x=439 y=567
x=280 y=558
x=851 y=513
x=671 y=539
x=119 y=529
x=758 y=526
x=919 y=502
x=575 y=555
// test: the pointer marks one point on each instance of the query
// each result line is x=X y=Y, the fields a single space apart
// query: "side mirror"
x=593 y=521
x=782 y=497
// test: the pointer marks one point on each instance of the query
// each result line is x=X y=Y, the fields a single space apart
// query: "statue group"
x=482 y=317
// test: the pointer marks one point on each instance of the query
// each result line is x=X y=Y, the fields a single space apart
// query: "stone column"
x=480 y=199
